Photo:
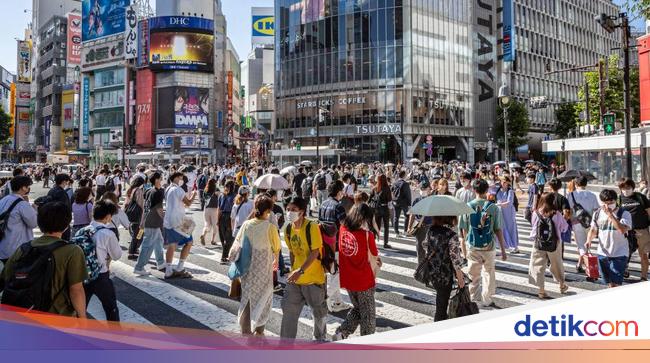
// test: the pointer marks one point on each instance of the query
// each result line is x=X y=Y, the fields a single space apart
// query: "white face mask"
x=611 y=206
x=292 y=216
x=181 y=183
x=465 y=183
x=628 y=192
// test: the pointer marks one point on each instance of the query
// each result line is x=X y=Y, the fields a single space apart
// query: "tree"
x=5 y=127
x=640 y=7
x=567 y=119
x=613 y=93
x=518 y=126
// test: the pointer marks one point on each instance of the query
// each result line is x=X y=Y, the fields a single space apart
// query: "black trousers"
x=382 y=219
x=399 y=210
x=225 y=234
x=135 y=242
x=104 y=289
x=442 y=302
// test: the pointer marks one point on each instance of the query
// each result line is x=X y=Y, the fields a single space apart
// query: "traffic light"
x=608 y=123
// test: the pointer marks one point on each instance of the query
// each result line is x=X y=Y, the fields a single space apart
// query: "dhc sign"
x=263 y=26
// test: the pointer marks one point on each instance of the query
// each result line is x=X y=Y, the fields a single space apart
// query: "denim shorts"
x=175 y=238
x=612 y=268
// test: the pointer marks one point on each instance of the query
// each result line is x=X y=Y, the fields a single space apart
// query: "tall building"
x=6 y=79
x=556 y=35
x=388 y=80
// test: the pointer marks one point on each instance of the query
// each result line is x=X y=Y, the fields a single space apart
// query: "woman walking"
x=380 y=198
x=224 y=211
x=135 y=206
x=82 y=210
x=357 y=250
x=119 y=218
x=443 y=187
x=257 y=281
x=505 y=197
x=548 y=225
x=211 y=228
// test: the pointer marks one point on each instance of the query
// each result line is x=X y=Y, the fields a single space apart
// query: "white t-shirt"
x=349 y=190
x=612 y=242
x=175 y=209
x=100 y=180
x=585 y=198
x=241 y=215
x=466 y=195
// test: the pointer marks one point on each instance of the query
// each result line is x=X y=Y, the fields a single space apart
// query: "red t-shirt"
x=355 y=271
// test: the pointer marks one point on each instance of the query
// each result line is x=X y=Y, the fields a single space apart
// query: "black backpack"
x=307 y=187
x=30 y=284
x=133 y=212
x=110 y=184
x=546 y=239
x=581 y=214
x=4 y=217
x=321 y=182
x=437 y=270
x=327 y=255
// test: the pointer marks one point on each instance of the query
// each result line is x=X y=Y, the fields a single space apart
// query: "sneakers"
x=133 y=257
x=142 y=272
x=202 y=240
x=336 y=307
x=277 y=288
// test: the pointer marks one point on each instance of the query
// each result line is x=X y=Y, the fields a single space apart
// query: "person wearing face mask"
x=257 y=281
x=59 y=194
x=177 y=201
x=505 y=197
x=21 y=218
x=643 y=188
x=465 y=193
x=611 y=224
x=548 y=224
x=639 y=207
x=418 y=226
x=581 y=200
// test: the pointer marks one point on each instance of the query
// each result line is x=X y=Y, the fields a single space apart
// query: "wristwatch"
x=302 y=272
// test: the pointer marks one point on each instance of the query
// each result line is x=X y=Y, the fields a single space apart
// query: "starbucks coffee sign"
x=348 y=100
x=379 y=129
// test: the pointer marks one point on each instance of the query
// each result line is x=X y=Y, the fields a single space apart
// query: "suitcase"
x=592 y=266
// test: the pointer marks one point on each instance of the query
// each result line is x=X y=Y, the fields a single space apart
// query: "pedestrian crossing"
x=203 y=303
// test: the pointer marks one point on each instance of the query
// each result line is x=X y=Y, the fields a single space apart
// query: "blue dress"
x=510 y=234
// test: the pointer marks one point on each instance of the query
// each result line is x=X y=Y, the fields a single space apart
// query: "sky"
x=238 y=16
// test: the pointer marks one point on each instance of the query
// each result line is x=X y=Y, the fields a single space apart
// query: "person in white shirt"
x=173 y=224
x=466 y=194
x=587 y=201
x=107 y=249
x=611 y=224
x=100 y=181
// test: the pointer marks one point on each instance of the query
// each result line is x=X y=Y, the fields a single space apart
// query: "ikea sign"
x=263 y=26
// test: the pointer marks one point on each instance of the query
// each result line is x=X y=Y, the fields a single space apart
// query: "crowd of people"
x=328 y=218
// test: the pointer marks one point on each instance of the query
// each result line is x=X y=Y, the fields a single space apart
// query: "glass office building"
x=390 y=79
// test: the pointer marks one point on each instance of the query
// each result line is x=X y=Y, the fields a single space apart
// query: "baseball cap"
x=243 y=190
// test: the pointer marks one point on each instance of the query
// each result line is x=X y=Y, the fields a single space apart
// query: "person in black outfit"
x=380 y=197
x=401 y=199
x=639 y=207
x=59 y=194
x=297 y=182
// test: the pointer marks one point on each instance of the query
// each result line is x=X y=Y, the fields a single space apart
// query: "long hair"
x=138 y=182
x=262 y=205
x=358 y=214
x=211 y=187
x=112 y=197
x=546 y=203
x=382 y=184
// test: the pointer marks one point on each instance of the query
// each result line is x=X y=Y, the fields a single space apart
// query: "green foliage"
x=5 y=126
x=518 y=126
x=613 y=93
x=567 y=119
x=640 y=7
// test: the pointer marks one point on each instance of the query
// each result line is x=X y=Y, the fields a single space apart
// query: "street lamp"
x=504 y=100
x=322 y=113
x=200 y=142
x=608 y=23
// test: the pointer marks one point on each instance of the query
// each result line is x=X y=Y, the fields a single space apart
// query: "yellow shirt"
x=299 y=248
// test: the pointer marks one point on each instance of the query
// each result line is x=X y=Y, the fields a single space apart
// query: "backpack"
x=581 y=214
x=637 y=197
x=437 y=270
x=84 y=239
x=4 y=217
x=546 y=239
x=307 y=187
x=110 y=184
x=480 y=234
x=203 y=181
x=133 y=212
x=327 y=256
x=321 y=182
x=30 y=284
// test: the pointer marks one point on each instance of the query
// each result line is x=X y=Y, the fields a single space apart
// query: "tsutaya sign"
x=349 y=100
x=379 y=129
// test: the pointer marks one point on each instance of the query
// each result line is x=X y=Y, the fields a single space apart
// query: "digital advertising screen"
x=183 y=108
x=181 y=50
x=102 y=18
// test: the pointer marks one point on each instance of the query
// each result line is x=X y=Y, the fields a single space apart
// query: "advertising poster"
x=508 y=31
x=263 y=25
x=131 y=34
x=143 y=107
x=74 y=39
x=85 y=115
x=24 y=59
x=181 y=51
x=22 y=127
x=12 y=109
x=67 y=105
x=102 y=18
x=143 y=43
x=191 y=107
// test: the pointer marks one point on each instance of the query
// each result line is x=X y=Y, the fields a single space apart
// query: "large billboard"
x=181 y=43
x=67 y=105
x=263 y=25
x=143 y=43
x=74 y=39
x=509 y=45
x=131 y=34
x=183 y=108
x=102 y=18
x=145 y=80
x=24 y=59
x=85 y=115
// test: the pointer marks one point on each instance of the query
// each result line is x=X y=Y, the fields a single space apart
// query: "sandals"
x=542 y=295
x=179 y=274
x=564 y=289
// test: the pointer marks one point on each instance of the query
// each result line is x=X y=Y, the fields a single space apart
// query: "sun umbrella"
x=514 y=164
x=499 y=163
x=572 y=174
x=288 y=170
x=441 y=205
x=272 y=181
x=305 y=163
x=389 y=165
x=415 y=161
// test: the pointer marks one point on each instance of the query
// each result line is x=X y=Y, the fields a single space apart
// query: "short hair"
x=361 y=197
x=531 y=175
x=142 y=169
x=301 y=169
x=480 y=186
x=402 y=174
x=104 y=208
x=155 y=176
x=334 y=188
x=555 y=184
x=18 y=171
x=20 y=181
x=54 y=217
x=582 y=181
x=175 y=175
x=263 y=203
x=60 y=178
x=626 y=182
x=110 y=196
x=299 y=203
x=271 y=193
x=466 y=176
x=607 y=195
x=82 y=195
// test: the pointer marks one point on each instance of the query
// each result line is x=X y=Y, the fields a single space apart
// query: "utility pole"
x=587 y=109
x=601 y=87
x=626 y=93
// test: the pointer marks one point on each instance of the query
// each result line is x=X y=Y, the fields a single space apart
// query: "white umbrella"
x=272 y=181
x=514 y=164
x=415 y=161
x=288 y=170
x=441 y=205
x=389 y=165
x=305 y=163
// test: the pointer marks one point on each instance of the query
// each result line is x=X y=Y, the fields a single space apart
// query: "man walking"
x=173 y=222
x=19 y=217
x=401 y=200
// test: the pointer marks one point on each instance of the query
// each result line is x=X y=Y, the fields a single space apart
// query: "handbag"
x=235 y=289
x=414 y=229
x=372 y=259
x=592 y=270
x=461 y=304
x=241 y=265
